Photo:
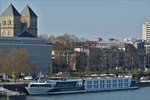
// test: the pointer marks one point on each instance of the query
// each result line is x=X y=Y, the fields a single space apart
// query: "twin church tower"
x=15 y=24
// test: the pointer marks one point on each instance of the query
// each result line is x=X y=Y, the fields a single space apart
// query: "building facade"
x=147 y=56
x=146 y=31
x=14 y=23
x=29 y=21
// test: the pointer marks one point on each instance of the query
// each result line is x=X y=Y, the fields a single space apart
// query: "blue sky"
x=88 y=18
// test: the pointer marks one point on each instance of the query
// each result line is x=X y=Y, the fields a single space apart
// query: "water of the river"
x=138 y=94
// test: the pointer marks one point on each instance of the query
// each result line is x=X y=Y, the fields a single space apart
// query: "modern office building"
x=147 y=58
x=146 y=31
x=139 y=45
x=39 y=52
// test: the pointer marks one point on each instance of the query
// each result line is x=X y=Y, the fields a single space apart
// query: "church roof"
x=10 y=11
x=26 y=34
x=27 y=11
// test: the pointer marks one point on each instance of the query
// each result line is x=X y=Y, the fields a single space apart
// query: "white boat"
x=88 y=84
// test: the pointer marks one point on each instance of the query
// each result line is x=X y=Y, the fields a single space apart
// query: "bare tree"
x=95 y=58
x=15 y=62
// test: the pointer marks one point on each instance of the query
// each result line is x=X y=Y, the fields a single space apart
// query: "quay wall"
x=145 y=83
x=19 y=87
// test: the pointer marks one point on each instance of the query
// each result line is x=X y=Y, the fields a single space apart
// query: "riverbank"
x=145 y=83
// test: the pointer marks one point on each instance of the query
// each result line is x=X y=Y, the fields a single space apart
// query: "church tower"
x=29 y=21
x=10 y=22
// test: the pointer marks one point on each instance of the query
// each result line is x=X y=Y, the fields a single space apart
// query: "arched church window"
x=4 y=22
x=10 y=22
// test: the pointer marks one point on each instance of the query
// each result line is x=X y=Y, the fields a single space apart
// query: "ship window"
x=95 y=86
x=87 y=87
x=114 y=81
x=113 y=85
x=125 y=84
x=120 y=80
x=95 y=82
x=88 y=82
x=120 y=85
x=109 y=81
x=103 y=81
x=90 y=86
x=100 y=81
x=126 y=80
x=100 y=86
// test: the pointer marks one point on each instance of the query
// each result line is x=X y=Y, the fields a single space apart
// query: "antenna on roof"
x=10 y=1
x=27 y=2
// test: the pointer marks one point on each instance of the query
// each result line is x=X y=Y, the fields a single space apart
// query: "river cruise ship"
x=87 y=84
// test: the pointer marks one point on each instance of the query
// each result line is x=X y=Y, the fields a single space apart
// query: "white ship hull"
x=32 y=92
x=82 y=86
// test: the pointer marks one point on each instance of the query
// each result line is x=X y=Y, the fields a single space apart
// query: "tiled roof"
x=26 y=34
x=27 y=11
x=10 y=11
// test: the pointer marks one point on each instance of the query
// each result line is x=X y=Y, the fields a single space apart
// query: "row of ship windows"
x=40 y=85
x=108 y=81
x=107 y=86
x=64 y=85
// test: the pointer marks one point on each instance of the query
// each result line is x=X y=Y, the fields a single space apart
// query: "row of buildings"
x=112 y=54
